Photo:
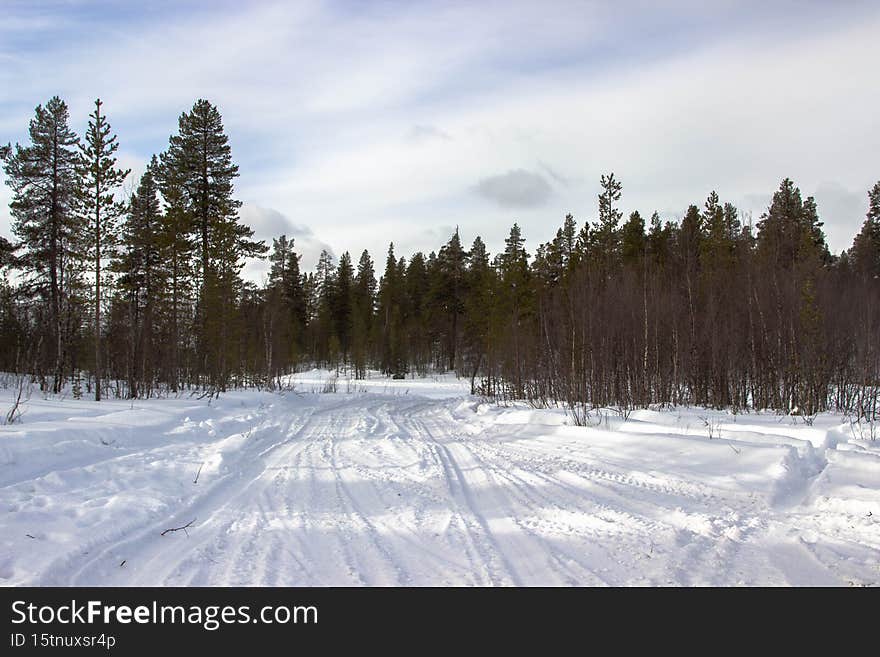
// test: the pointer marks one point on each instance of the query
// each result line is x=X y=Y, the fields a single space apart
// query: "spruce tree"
x=364 y=300
x=515 y=298
x=811 y=227
x=568 y=243
x=449 y=293
x=390 y=317
x=399 y=337
x=284 y=308
x=286 y=284
x=659 y=240
x=790 y=231
x=177 y=242
x=325 y=291
x=690 y=237
x=142 y=278
x=478 y=309
x=343 y=302
x=549 y=264
x=632 y=238
x=100 y=180
x=419 y=330
x=721 y=228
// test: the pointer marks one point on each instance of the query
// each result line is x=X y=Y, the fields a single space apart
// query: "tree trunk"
x=98 y=285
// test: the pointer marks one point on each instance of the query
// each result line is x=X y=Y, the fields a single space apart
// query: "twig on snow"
x=177 y=529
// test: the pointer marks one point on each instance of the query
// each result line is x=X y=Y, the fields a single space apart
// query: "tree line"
x=142 y=296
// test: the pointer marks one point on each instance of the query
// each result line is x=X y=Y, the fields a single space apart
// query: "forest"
x=141 y=295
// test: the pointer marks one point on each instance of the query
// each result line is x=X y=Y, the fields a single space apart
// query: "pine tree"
x=568 y=243
x=690 y=237
x=177 y=243
x=721 y=228
x=7 y=253
x=310 y=295
x=449 y=293
x=733 y=227
x=608 y=214
x=549 y=264
x=659 y=240
x=100 y=179
x=278 y=315
x=284 y=270
x=343 y=302
x=632 y=239
x=287 y=298
x=811 y=227
x=325 y=290
x=478 y=309
x=516 y=297
x=865 y=251
x=418 y=295
x=45 y=181
x=364 y=300
x=790 y=230
x=603 y=241
x=390 y=317
x=200 y=159
x=15 y=334
x=399 y=336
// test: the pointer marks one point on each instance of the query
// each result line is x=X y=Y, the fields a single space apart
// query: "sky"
x=359 y=123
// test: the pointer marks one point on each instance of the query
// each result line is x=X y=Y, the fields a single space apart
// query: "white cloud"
x=268 y=224
x=515 y=189
x=737 y=118
x=842 y=210
x=370 y=124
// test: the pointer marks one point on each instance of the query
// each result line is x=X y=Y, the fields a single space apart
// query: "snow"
x=415 y=482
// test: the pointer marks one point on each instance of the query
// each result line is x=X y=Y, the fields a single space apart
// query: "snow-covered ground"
x=415 y=483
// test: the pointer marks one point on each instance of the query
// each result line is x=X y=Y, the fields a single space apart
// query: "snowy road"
x=383 y=486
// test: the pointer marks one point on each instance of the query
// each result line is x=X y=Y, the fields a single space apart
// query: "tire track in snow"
x=269 y=500
x=380 y=489
x=464 y=501
x=469 y=537
x=144 y=543
x=330 y=455
x=515 y=500
x=535 y=503
x=710 y=556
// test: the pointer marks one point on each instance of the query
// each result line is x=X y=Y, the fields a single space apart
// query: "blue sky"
x=357 y=123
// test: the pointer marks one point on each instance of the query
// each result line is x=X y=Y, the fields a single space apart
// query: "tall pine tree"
x=45 y=182
x=200 y=159
x=100 y=180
